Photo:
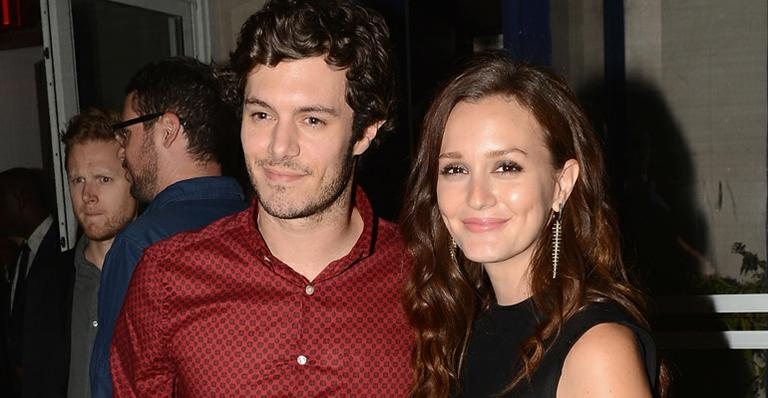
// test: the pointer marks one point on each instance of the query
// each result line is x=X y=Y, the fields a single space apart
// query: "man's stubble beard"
x=144 y=180
x=109 y=229
x=327 y=197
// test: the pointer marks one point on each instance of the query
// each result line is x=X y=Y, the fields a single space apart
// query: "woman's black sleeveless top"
x=490 y=363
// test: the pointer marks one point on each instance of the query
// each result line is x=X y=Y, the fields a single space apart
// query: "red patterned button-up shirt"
x=213 y=313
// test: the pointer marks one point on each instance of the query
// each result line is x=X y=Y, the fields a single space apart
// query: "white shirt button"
x=95 y=324
x=309 y=290
x=302 y=360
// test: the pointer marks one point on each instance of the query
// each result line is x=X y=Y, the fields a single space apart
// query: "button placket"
x=309 y=290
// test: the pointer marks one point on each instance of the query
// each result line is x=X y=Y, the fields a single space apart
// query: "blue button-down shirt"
x=186 y=205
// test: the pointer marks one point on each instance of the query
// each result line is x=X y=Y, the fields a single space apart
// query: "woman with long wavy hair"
x=518 y=287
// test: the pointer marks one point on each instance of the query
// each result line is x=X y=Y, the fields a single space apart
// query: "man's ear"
x=565 y=181
x=170 y=128
x=368 y=135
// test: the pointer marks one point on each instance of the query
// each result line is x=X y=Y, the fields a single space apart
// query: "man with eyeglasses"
x=175 y=119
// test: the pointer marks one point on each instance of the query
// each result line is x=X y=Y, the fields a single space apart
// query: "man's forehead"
x=299 y=68
x=96 y=147
x=306 y=82
x=93 y=157
x=323 y=57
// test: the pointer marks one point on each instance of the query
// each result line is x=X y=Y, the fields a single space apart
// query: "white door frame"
x=61 y=86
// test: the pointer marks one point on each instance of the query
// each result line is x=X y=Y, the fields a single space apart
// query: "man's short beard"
x=327 y=197
x=144 y=180
x=108 y=231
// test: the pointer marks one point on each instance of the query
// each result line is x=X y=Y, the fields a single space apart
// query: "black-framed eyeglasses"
x=121 y=132
x=130 y=122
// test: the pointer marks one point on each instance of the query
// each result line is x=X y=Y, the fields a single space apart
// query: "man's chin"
x=99 y=234
x=280 y=208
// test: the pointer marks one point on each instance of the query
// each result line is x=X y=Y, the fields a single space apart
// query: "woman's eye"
x=453 y=169
x=105 y=179
x=509 y=167
x=260 y=115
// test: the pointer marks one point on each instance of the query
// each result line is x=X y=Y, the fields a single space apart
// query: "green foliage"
x=753 y=280
x=753 y=272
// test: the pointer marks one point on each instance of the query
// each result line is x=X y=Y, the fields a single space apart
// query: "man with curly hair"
x=299 y=294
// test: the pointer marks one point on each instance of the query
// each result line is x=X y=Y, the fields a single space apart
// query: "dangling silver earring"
x=452 y=246
x=557 y=230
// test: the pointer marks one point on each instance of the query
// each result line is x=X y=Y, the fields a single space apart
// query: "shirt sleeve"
x=139 y=358
x=116 y=274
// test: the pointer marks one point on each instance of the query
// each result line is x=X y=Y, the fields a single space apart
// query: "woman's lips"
x=483 y=224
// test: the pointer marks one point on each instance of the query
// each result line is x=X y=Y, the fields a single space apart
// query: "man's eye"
x=260 y=115
x=313 y=121
x=105 y=179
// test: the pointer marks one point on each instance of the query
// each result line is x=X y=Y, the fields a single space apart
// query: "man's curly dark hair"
x=350 y=37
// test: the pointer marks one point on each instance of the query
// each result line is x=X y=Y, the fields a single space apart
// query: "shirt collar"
x=198 y=188
x=364 y=247
x=365 y=243
x=80 y=260
x=36 y=238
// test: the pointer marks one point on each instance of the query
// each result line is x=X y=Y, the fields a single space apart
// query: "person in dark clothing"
x=518 y=286
x=26 y=217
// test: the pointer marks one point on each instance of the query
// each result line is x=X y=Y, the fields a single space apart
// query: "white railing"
x=714 y=304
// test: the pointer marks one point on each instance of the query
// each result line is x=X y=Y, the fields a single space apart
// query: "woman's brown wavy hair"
x=443 y=298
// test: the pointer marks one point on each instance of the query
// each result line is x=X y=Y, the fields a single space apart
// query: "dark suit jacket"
x=47 y=314
x=6 y=381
